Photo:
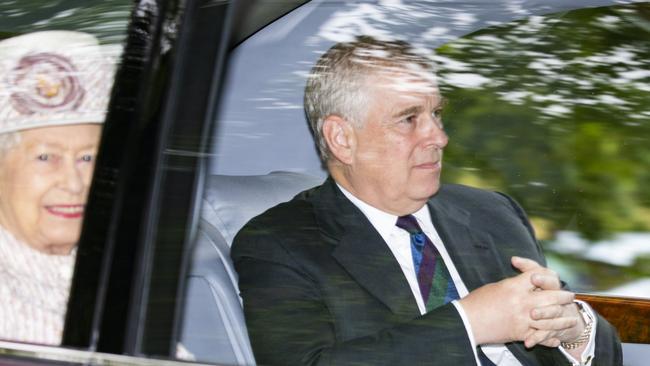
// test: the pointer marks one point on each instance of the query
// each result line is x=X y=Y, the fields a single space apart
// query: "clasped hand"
x=530 y=307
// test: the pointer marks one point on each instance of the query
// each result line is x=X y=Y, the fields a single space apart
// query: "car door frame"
x=141 y=212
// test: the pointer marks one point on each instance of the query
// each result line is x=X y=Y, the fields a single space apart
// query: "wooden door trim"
x=630 y=316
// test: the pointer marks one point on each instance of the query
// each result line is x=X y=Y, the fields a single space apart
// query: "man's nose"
x=434 y=133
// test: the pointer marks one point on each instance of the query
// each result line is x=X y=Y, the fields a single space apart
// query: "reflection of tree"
x=557 y=113
x=106 y=19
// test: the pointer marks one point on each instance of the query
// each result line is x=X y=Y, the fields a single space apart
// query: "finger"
x=529 y=333
x=537 y=337
x=555 y=324
x=543 y=337
x=552 y=297
x=548 y=342
x=546 y=281
x=553 y=343
x=547 y=312
x=524 y=264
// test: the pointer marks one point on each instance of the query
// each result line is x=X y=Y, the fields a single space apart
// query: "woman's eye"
x=87 y=158
x=43 y=157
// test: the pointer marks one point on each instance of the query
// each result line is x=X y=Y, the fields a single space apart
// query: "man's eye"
x=437 y=113
x=43 y=157
x=408 y=119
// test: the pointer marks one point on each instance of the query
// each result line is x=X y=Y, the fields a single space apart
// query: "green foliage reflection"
x=107 y=19
x=555 y=111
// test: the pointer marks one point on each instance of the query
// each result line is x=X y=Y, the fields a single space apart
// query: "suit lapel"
x=367 y=258
x=468 y=249
x=361 y=251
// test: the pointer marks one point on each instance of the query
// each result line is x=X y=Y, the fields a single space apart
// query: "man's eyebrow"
x=442 y=103
x=416 y=109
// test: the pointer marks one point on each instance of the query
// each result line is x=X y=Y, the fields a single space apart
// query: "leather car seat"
x=213 y=327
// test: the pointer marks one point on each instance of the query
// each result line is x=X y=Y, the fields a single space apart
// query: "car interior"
x=254 y=167
x=213 y=327
x=260 y=153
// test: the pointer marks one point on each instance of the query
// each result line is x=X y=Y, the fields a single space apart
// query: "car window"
x=551 y=109
x=261 y=153
x=546 y=104
x=557 y=115
x=55 y=125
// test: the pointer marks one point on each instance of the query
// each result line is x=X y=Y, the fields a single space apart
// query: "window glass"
x=57 y=64
x=554 y=111
x=551 y=109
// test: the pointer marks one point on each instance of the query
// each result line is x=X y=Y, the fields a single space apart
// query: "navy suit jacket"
x=321 y=287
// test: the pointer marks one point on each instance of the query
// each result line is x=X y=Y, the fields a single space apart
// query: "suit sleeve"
x=289 y=322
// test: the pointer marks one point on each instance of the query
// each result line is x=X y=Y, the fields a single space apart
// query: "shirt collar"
x=381 y=219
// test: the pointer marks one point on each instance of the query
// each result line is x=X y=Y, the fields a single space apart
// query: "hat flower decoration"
x=53 y=78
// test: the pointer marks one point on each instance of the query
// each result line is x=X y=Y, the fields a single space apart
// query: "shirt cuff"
x=468 y=328
x=587 y=355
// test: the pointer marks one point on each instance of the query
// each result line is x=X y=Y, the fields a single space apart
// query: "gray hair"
x=336 y=84
x=8 y=141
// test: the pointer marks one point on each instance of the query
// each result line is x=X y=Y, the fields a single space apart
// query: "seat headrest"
x=229 y=202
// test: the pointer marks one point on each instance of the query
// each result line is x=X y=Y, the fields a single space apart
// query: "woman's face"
x=44 y=183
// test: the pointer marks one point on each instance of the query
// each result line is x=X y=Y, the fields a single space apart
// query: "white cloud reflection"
x=465 y=80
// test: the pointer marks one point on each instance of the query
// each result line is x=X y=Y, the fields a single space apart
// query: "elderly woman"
x=54 y=88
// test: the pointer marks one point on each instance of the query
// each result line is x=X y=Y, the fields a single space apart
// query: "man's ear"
x=340 y=138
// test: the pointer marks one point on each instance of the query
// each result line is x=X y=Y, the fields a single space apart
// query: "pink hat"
x=53 y=78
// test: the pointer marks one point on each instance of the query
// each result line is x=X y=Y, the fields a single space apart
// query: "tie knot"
x=409 y=223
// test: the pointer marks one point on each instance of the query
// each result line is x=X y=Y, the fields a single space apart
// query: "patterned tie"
x=436 y=285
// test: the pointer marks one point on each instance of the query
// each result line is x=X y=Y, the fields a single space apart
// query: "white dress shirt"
x=399 y=243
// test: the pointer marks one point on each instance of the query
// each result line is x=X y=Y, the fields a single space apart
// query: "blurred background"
x=555 y=111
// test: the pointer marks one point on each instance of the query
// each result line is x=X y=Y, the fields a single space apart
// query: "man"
x=381 y=265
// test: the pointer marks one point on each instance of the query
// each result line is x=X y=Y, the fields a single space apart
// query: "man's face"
x=398 y=152
x=44 y=184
